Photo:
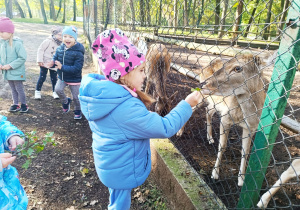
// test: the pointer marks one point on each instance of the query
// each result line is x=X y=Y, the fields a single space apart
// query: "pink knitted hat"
x=117 y=56
x=6 y=25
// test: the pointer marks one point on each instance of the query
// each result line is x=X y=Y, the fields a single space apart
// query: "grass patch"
x=50 y=22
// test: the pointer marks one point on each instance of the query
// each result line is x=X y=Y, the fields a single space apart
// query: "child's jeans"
x=119 y=199
x=17 y=90
x=59 y=89
x=42 y=78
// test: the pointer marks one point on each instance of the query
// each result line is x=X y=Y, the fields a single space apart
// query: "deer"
x=158 y=62
x=292 y=172
x=234 y=89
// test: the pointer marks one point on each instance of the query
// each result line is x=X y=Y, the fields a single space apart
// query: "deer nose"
x=202 y=84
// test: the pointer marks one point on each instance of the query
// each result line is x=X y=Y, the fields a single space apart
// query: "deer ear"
x=258 y=60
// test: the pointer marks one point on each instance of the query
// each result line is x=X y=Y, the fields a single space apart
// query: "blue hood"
x=97 y=98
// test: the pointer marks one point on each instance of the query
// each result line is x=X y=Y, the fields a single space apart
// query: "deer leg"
x=246 y=142
x=209 y=114
x=292 y=172
x=180 y=132
x=224 y=130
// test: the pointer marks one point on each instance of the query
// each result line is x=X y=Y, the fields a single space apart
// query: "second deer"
x=158 y=62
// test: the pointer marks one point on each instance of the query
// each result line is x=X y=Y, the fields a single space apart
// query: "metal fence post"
x=275 y=103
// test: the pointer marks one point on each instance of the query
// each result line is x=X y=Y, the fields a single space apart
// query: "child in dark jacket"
x=115 y=107
x=68 y=59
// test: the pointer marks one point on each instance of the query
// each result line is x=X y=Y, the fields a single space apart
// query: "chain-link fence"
x=244 y=52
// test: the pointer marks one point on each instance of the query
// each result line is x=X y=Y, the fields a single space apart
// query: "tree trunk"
x=43 y=12
x=75 y=9
x=194 y=15
x=217 y=17
x=20 y=9
x=52 y=10
x=148 y=12
x=284 y=13
x=185 y=14
x=28 y=7
x=267 y=22
x=142 y=12
x=132 y=14
x=159 y=13
x=64 y=15
x=60 y=1
x=8 y=7
x=200 y=15
x=223 y=19
x=108 y=2
x=175 y=21
x=238 y=18
x=251 y=18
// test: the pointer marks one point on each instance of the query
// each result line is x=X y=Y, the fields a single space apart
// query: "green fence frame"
x=274 y=106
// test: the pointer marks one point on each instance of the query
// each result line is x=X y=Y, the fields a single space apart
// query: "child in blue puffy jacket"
x=12 y=194
x=116 y=110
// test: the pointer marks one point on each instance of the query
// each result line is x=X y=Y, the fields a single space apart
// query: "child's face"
x=136 y=77
x=58 y=36
x=5 y=35
x=69 y=41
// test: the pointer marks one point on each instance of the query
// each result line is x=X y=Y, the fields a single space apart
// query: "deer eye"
x=238 y=69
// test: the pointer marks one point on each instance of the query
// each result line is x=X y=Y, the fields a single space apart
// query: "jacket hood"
x=15 y=39
x=98 y=96
x=77 y=47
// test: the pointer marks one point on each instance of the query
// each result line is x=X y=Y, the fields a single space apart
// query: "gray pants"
x=59 y=89
x=17 y=90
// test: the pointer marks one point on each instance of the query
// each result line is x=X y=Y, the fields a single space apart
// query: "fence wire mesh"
x=230 y=48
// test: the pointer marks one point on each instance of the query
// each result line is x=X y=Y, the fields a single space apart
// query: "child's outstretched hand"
x=6 y=159
x=14 y=141
x=194 y=98
x=58 y=64
x=49 y=65
x=41 y=64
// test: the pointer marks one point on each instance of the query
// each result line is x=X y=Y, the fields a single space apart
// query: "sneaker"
x=55 y=96
x=14 y=108
x=24 y=108
x=77 y=115
x=37 y=94
x=66 y=107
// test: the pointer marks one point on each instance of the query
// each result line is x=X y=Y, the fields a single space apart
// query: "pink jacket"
x=46 y=50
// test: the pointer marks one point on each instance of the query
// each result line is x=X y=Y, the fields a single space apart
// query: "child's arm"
x=143 y=124
x=21 y=56
x=7 y=131
x=41 y=50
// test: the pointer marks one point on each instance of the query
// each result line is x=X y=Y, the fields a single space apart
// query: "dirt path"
x=54 y=179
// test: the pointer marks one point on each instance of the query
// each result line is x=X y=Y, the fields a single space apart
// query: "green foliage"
x=32 y=146
x=195 y=89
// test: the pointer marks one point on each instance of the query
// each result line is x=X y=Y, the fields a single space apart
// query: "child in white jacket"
x=44 y=55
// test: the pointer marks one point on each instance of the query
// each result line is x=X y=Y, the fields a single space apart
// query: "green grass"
x=50 y=22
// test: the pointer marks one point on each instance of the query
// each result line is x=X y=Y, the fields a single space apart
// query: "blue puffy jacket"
x=122 y=126
x=72 y=62
x=12 y=194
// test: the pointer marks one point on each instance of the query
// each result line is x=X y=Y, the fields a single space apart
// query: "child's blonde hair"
x=11 y=39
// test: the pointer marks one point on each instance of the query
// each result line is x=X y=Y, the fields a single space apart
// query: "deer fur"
x=292 y=172
x=158 y=62
x=237 y=94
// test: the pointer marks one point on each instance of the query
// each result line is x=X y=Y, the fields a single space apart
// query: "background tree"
x=64 y=15
x=43 y=12
x=223 y=19
x=200 y=14
x=284 y=13
x=28 y=7
x=52 y=10
x=75 y=9
x=8 y=8
x=251 y=19
x=267 y=22
x=142 y=12
x=60 y=3
x=217 y=16
x=238 y=19
x=175 y=21
x=20 y=9
x=132 y=14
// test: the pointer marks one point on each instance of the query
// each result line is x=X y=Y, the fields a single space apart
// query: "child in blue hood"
x=115 y=107
x=12 y=194
x=68 y=59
